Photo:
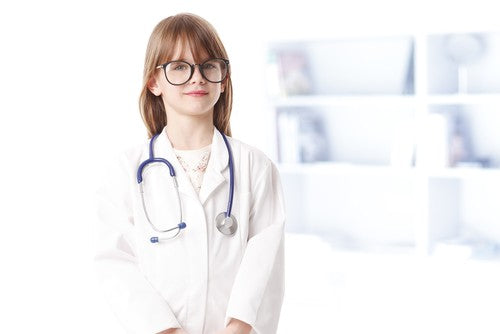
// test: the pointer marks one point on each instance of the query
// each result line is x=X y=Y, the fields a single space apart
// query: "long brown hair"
x=188 y=30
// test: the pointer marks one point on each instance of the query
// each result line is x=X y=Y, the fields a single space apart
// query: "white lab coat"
x=201 y=278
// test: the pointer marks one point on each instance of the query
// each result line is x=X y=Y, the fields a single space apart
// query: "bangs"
x=190 y=33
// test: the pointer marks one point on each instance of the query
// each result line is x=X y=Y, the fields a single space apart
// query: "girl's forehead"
x=183 y=50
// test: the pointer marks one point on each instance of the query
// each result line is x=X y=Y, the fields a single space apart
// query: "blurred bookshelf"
x=391 y=141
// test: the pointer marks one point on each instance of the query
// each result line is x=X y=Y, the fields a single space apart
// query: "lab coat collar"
x=218 y=162
x=213 y=178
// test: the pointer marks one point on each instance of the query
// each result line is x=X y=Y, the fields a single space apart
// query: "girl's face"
x=197 y=97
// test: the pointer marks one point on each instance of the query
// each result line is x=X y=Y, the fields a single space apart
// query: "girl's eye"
x=180 y=67
x=208 y=66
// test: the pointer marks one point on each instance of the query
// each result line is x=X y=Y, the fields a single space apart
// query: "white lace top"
x=194 y=163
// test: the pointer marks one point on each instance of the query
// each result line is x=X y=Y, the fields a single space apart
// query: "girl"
x=202 y=254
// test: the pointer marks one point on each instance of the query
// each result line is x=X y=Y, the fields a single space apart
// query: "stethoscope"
x=226 y=223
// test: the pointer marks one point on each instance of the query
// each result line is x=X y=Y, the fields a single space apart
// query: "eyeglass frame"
x=192 y=66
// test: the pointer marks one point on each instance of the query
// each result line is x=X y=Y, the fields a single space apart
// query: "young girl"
x=191 y=221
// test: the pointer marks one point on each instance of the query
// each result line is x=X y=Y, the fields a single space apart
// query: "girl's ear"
x=153 y=86
x=223 y=84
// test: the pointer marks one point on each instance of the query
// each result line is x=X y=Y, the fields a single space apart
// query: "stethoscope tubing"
x=231 y=176
x=146 y=162
x=182 y=224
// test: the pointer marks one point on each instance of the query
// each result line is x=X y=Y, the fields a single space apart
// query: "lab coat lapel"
x=217 y=163
x=164 y=149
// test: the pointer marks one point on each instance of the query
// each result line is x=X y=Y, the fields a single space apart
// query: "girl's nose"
x=197 y=77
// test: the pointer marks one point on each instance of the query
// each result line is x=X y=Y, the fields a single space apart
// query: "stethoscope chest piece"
x=226 y=225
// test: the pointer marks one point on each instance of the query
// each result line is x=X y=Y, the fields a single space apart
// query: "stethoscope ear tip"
x=154 y=240
x=182 y=225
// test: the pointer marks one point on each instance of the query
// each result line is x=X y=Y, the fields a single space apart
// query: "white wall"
x=70 y=74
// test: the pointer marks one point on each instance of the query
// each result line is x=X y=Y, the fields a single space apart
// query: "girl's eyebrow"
x=204 y=59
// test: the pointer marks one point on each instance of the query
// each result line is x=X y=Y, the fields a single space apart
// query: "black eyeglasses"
x=178 y=72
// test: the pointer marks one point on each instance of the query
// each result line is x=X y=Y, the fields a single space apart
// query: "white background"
x=70 y=77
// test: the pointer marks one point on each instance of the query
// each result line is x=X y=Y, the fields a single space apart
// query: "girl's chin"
x=197 y=112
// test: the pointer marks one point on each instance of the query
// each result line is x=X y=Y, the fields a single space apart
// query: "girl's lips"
x=197 y=93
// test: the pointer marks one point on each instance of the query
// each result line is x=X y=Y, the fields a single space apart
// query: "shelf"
x=464 y=99
x=344 y=100
x=335 y=168
x=385 y=100
x=464 y=173
x=422 y=101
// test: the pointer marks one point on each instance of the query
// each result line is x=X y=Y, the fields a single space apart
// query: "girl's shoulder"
x=249 y=154
x=129 y=157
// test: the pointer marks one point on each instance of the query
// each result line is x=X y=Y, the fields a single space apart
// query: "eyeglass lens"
x=179 y=72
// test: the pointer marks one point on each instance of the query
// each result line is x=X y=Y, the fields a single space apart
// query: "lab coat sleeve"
x=137 y=305
x=258 y=289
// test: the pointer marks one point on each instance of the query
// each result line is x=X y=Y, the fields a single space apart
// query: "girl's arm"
x=173 y=331
x=138 y=306
x=258 y=290
x=236 y=326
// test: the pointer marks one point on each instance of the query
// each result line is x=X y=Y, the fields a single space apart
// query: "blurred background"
x=382 y=117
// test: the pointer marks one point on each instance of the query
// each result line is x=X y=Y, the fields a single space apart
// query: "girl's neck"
x=190 y=134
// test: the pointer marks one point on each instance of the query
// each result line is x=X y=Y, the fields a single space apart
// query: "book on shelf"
x=446 y=142
x=288 y=73
x=302 y=136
